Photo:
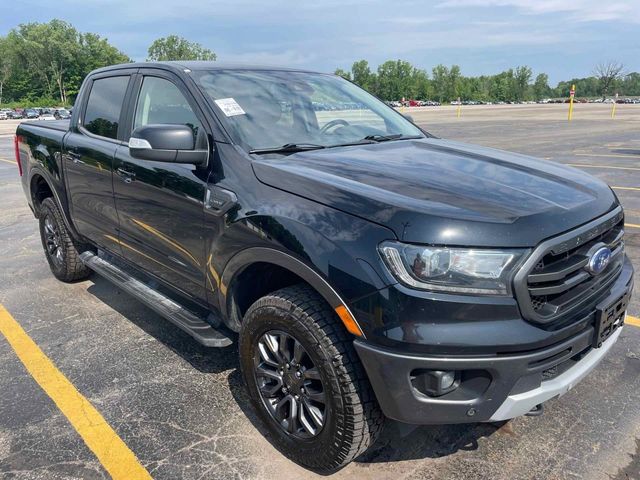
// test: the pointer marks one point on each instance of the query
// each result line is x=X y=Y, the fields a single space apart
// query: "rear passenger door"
x=88 y=158
x=161 y=205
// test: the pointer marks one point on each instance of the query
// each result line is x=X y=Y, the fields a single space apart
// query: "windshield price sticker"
x=229 y=107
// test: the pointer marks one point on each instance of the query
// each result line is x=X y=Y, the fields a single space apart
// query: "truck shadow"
x=398 y=442
x=203 y=359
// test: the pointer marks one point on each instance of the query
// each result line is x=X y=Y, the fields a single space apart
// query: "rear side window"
x=103 y=107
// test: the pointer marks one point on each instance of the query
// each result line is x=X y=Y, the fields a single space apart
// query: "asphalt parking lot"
x=181 y=409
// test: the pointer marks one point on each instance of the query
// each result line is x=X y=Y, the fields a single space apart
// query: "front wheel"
x=305 y=380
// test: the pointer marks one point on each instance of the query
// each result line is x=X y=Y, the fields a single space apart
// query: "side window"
x=160 y=101
x=104 y=104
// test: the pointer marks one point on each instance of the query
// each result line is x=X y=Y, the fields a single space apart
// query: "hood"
x=442 y=192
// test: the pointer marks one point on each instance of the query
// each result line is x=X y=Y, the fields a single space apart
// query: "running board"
x=191 y=323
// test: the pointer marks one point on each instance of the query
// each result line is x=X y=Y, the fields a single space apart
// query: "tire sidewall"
x=71 y=268
x=47 y=210
x=267 y=318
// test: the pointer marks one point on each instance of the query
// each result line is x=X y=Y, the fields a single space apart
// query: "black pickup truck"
x=365 y=268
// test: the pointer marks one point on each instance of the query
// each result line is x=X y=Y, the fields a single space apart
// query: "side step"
x=193 y=324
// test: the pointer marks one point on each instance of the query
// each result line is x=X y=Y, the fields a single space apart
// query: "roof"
x=200 y=65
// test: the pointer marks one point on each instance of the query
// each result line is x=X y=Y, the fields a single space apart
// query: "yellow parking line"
x=616 y=155
x=632 y=321
x=602 y=166
x=632 y=225
x=626 y=188
x=12 y=162
x=117 y=459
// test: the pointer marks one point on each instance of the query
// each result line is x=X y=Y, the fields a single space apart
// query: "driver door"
x=160 y=205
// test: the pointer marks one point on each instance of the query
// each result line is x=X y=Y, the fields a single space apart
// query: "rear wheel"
x=59 y=248
x=306 y=381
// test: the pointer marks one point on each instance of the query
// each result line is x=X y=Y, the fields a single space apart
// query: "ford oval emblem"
x=599 y=261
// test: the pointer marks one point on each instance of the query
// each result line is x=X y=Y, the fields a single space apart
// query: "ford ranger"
x=365 y=268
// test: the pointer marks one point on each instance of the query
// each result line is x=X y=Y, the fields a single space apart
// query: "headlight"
x=459 y=270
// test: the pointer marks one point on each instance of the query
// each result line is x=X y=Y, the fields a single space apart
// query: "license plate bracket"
x=609 y=317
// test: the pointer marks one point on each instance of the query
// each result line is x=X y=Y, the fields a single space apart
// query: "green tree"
x=340 y=72
x=362 y=75
x=501 y=86
x=440 y=82
x=453 y=82
x=541 y=86
x=394 y=79
x=51 y=59
x=51 y=48
x=6 y=64
x=174 y=47
x=631 y=84
x=521 y=79
x=420 y=85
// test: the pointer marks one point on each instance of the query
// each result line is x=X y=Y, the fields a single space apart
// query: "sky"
x=563 y=38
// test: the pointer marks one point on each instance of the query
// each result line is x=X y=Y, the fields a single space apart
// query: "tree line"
x=397 y=79
x=43 y=64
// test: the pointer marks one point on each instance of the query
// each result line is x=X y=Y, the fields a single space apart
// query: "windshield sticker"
x=229 y=107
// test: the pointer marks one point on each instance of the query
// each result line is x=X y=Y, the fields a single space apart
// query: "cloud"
x=287 y=57
x=579 y=10
x=561 y=37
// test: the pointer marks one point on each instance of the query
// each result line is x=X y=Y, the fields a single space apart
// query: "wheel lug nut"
x=297 y=397
x=302 y=390
x=298 y=374
x=288 y=366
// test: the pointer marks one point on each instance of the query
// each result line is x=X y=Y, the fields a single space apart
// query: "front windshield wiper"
x=386 y=138
x=288 y=148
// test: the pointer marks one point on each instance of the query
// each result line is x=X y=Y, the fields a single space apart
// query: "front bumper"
x=489 y=387
x=521 y=403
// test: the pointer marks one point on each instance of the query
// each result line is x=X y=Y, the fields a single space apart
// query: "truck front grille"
x=553 y=282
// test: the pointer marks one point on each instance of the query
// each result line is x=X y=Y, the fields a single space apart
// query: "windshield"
x=269 y=109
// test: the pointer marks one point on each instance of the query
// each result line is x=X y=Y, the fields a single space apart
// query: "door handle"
x=126 y=175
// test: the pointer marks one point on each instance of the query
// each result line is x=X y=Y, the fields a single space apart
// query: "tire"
x=351 y=417
x=59 y=248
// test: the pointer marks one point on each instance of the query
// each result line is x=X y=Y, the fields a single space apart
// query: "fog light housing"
x=435 y=383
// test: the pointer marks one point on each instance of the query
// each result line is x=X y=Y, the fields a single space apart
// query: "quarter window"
x=104 y=105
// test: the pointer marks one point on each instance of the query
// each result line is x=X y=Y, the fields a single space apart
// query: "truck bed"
x=60 y=125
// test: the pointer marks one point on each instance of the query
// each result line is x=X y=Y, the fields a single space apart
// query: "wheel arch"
x=289 y=270
x=41 y=187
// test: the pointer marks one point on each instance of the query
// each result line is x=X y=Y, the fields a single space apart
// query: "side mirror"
x=408 y=117
x=166 y=143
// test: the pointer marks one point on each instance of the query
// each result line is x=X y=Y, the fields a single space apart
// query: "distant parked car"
x=3 y=115
x=62 y=114
x=14 y=115
x=47 y=116
x=30 y=114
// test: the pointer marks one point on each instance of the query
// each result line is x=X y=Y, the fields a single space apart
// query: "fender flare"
x=56 y=196
x=252 y=255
